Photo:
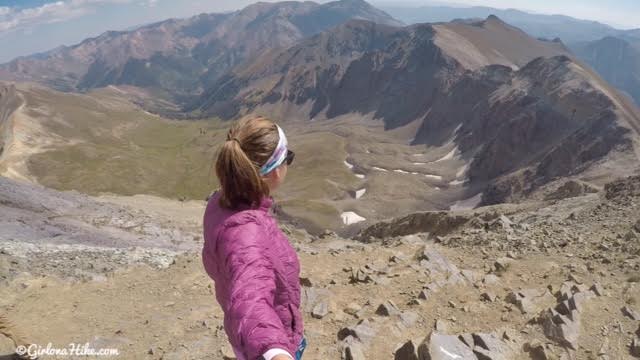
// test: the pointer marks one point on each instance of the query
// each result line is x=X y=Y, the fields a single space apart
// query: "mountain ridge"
x=567 y=28
x=177 y=56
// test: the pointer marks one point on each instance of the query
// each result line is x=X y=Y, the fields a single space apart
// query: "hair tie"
x=236 y=140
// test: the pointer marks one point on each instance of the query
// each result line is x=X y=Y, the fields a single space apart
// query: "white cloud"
x=14 y=19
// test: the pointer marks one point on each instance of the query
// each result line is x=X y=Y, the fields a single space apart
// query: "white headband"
x=279 y=154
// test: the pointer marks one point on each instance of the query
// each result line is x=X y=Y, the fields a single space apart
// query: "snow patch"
x=360 y=192
x=379 y=169
x=449 y=156
x=467 y=204
x=462 y=171
x=360 y=176
x=400 y=171
x=457 y=182
x=349 y=165
x=116 y=89
x=434 y=177
x=349 y=217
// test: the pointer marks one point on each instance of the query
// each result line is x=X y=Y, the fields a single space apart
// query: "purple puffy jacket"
x=256 y=274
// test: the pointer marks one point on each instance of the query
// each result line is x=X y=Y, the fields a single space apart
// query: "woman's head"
x=250 y=162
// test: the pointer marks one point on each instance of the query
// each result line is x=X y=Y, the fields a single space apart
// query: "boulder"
x=490 y=279
x=312 y=296
x=476 y=346
x=352 y=350
x=630 y=313
x=529 y=301
x=445 y=347
x=387 y=308
x=439 y=267
x=408 y=351
x=362 y=332
x=7 y=346
x=352 y=309
x=488 y=296
x=320 y=310
x=597 y=289
x=408 y=319
x=538 y=351
x=226 y=352
x=501 y=223
x=561 y=328
x=635 y=347
x=503 y=264
x=440 y=326
x=490 y=347
x=360 y=275
x=305 y=281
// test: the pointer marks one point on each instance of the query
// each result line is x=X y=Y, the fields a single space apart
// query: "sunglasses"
x=290 y=156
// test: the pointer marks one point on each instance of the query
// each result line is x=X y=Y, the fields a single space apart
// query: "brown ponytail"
x=250 y=142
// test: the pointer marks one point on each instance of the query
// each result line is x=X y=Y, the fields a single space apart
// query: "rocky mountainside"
x=612 y=52
x=476 y=89
x=566 y=28
x=550 y=119
x=363 y=67
x=9 y=102
x=548 y=279
x=179 y=56
x=616 y=59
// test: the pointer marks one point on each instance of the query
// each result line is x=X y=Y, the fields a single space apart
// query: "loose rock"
x=387 y=308
x=630 y=313
x=408 y=351
x=320 y=310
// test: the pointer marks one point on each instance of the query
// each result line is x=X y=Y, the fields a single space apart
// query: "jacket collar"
x=266 y=203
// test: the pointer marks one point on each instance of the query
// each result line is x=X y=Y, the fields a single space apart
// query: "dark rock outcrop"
x=623 y=189
x=571 y=189
x=435 y=223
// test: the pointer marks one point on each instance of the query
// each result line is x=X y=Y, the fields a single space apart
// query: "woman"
x=254 y=267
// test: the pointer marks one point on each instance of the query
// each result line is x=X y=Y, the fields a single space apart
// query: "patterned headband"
x=278 y=156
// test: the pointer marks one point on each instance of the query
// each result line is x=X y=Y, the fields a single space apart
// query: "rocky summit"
x=549 y=279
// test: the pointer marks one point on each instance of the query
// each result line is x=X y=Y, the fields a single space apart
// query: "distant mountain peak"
x=497 y=21
x=358 y=3
x=613 y=40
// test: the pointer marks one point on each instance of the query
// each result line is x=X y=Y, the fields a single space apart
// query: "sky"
x=32 y=26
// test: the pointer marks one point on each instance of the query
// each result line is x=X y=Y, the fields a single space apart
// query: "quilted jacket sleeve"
x=253 y=319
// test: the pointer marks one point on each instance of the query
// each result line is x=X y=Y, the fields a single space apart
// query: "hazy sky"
x=30 y=26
